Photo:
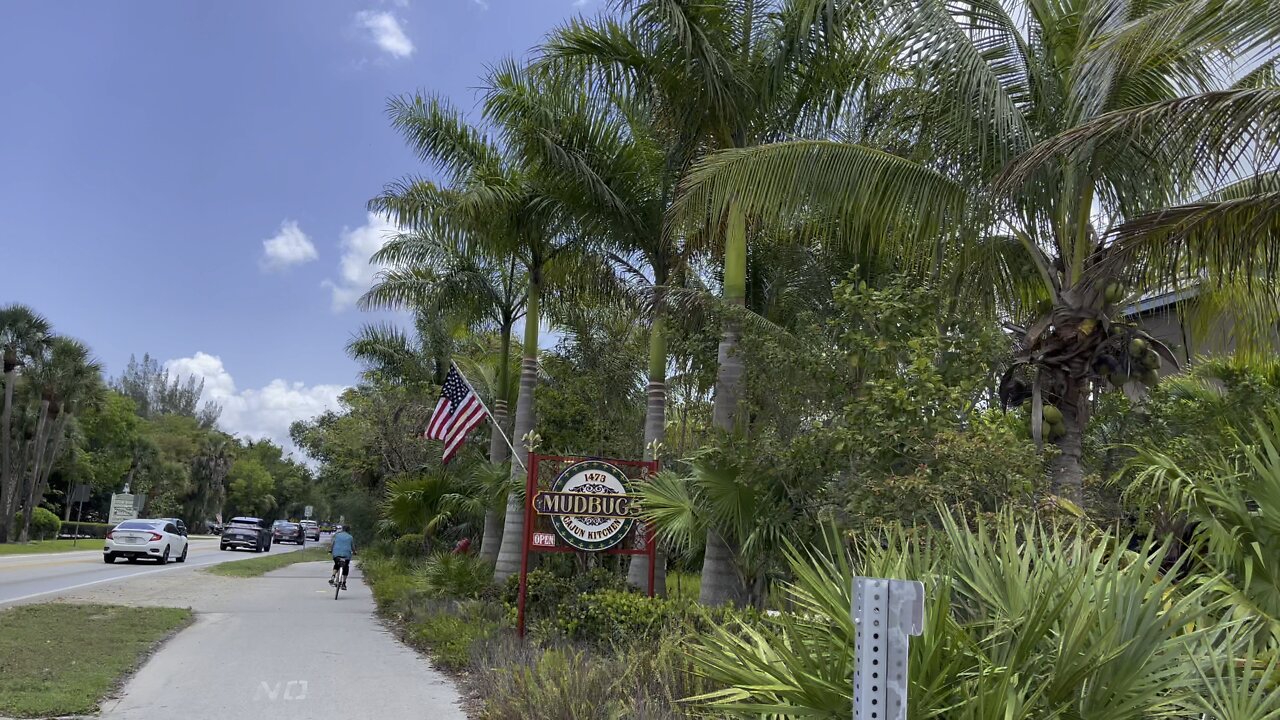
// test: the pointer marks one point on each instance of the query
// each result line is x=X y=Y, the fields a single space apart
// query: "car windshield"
x=137 y=525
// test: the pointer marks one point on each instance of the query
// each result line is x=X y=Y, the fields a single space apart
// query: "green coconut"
x=1150 y=378
x=1051 y=415
x=1137 y=346
x=1057 y=431
x=1150 y=360
x=1114 y=293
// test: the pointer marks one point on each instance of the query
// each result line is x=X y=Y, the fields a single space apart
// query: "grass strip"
x=267 y=563
x=49 y=546
x=62 y=659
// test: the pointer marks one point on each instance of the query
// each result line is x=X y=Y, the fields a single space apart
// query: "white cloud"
x=290 y=246
x=484 y=4
x=259 y=413
x=356 y=272
x=384 y=29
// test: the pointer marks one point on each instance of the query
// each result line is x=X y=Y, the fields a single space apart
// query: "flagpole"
x=514 y=455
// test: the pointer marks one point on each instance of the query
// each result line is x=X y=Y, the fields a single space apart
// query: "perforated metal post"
x=885 y=614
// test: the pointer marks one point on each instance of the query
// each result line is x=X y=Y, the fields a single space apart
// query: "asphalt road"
x=38 y=577
x=282 y=647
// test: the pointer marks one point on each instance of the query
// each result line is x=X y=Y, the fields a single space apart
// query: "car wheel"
x=183 y=557
x=109 y=559
x=164 y=559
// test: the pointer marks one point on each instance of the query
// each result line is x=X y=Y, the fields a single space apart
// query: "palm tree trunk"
x=58 y=434
x=492 y=539
x=32 y=497
x=8 y=484
x=655 y=432
x=508 y=562
x=1066 y=471
x=720 y=580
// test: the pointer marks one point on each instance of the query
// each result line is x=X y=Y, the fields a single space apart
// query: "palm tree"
x=498 y=205
x=66 y=378
x=23 y=334
x=615 y=164
x=720 y=74
x=440 y=275
x=1073 y=156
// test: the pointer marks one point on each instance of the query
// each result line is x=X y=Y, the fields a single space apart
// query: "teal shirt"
x=343 y=544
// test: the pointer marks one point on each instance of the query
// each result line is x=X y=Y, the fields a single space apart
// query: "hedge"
x=86 y=529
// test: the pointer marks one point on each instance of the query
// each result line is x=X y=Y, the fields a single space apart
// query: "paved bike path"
x=284 y=648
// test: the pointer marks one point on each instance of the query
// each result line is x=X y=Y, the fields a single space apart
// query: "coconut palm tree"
x=1062 y=160
x=719 y=74
x=441 y=275
x=65 y=378
x=23 y=334
x=497 y=204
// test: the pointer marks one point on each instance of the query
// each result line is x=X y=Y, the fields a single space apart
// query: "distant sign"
x=122 y=508
x=80 y=493
x=307 y=511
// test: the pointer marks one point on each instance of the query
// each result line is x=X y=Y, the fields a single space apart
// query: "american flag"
x=457 y=414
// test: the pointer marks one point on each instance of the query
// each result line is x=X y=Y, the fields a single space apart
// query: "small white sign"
x=541 y=539
x=306 y=512
x=121 y=508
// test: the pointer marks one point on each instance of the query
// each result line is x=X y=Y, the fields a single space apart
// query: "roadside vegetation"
x=266 y=563
x=49 y=546
x=60 y=659
x=866 y=279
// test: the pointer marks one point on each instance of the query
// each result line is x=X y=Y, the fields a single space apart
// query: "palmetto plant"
x=1234 y=506
x=428 y=502
x=1022 y=621
x=1062 y=159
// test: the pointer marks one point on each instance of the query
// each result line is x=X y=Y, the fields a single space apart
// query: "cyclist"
x=344 y=546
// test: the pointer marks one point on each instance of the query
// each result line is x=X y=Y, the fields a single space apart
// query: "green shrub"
x=44 y=524
x=612 y=617
x=409 y=546
x=449 y=631
x=445 y=575
x=86 y=529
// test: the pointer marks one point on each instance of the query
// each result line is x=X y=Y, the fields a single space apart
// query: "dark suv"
x=249 y=533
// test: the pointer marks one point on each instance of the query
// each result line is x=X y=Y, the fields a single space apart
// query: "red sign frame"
x=528 y=545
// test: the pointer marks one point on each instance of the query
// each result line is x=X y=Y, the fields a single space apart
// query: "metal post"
x=885 y=614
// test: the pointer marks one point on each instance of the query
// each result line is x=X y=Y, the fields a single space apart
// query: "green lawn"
x=59 y=659
x=267 y=563
x=49 y=546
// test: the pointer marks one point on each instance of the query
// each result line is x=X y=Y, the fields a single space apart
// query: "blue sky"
x=189 y=179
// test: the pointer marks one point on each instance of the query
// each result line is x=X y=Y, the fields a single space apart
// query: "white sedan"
x=157 y=540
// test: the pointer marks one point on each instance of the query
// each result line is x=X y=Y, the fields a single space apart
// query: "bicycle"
x=337 y=579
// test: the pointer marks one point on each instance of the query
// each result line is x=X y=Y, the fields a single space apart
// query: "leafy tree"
x=250 y=488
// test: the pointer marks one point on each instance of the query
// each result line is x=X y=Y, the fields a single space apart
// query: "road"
x=37 y=577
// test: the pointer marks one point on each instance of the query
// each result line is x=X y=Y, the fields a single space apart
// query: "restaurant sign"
x=589 y=505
